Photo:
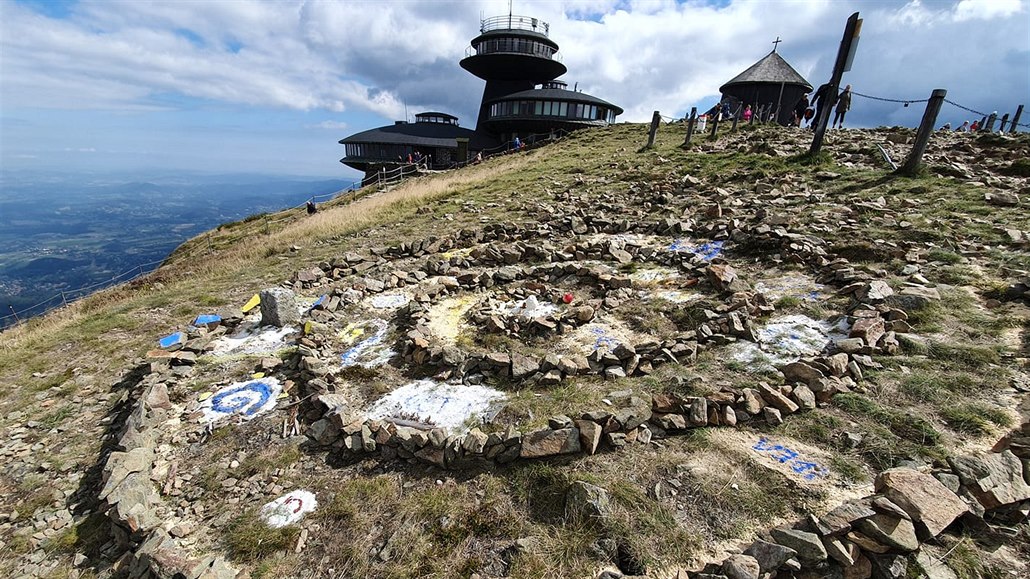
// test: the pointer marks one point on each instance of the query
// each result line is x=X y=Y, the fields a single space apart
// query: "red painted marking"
x=300 y=503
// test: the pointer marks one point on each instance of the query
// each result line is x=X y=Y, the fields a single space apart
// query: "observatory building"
x=770 y=82
x=522 y=98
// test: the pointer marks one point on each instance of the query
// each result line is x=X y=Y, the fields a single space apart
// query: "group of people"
x=804 y=111
x=965 y=127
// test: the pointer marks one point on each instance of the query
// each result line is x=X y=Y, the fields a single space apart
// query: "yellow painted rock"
x=252 y=303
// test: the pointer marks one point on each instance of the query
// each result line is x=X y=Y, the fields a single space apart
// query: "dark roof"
x=417 y=134
x=771 y=69
x=558 y=94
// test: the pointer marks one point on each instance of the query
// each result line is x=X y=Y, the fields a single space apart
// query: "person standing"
x=747 y=114
x=843 y=106
x=799 y=110
x=820 y=100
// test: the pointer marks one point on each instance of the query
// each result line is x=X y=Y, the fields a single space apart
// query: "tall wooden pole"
x=933 y=106
x=1004 y=121
x=850 y=32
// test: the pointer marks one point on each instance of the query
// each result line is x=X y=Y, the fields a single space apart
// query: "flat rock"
x=809 y=548
x=922 y=496
x=769 y=555
x=995 y=479
x=549 y=442
x=741 y=566
x=893 y=532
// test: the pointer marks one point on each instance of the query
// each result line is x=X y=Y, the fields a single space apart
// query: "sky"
x=266 y=87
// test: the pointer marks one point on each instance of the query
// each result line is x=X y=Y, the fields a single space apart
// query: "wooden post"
x=779 y=102
x=736 y=115
x=16 y=320
x=715 y=125
x=982 y=125
x=843 y=57
x=655 y=119
x=1015 y=119
x=990 y=122
x=690 y=125
x=64 y=300
x=933 y=106
x=1004 y=121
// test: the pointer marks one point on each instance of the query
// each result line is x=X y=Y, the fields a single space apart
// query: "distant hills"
x=60 y=233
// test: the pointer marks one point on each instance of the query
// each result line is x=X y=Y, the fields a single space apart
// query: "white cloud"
x=360 y=57
x=330 y=125
x=987 y=9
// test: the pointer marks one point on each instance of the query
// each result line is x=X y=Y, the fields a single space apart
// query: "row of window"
x=436 y=119
x=552 y=109
x=520 y=45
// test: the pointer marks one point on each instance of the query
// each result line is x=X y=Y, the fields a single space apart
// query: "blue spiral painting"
x=245 y=400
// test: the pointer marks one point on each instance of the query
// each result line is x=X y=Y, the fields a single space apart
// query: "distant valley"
x=63 y=233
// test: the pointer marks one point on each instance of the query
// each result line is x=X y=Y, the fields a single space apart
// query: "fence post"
x=1004 y=121
x=690 y=125
x=655 y=119
x=990 y=122
x=715 y=125
x=64 y=300
x=982 y=125
x=933 y=106
x=16 y=320
x=1015 y=119
x=736 y=115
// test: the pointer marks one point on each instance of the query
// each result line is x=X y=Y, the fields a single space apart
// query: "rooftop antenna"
x=509 y=13
x=776 y=43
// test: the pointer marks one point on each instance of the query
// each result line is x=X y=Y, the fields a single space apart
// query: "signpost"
x=845 y=56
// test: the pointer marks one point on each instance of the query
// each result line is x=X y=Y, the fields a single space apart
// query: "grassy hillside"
x=66 y=379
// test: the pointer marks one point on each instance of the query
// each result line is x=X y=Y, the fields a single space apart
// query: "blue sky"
x=241 y=86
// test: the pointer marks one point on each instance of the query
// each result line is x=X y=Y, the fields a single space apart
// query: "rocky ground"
x=594 y=360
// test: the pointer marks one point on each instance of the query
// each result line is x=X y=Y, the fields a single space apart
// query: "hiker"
x=946 y=127
x=517 y=143
x=843 y=105
x=964 y=128
x=747 y=114
x=799 y=110
x=312 y=208
x=724 y=112
x=974 y=127
x=478 y=159
x=821 y=100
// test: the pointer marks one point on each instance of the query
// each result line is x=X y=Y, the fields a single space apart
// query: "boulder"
x=809 y=548
x=777 y=400
x=741 y=567
x=800 y=372
x=279 y=307
x=549 y=442
x=893 y=532
x=587 y=502
x=995 y=479
x=769 y=555
x=922 y=496
x=589 y=435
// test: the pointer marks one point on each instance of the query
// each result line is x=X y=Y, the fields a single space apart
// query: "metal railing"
x=514 y=22
x=555 y=56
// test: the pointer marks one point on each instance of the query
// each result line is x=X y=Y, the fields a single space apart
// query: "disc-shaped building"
x=522 y=98
x=771 y=83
